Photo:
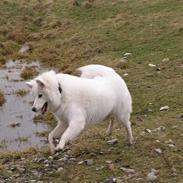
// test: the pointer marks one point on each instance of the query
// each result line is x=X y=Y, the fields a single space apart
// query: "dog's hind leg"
x=127 y=124
x=109 y=129
x=56 y=133
x=74 y=129
x=129 y=132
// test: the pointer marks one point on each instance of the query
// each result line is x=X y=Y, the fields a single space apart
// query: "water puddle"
x=17 y=129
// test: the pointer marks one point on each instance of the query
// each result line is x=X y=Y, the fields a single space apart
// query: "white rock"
x=164 y=108
x=60 y=169
x=171 y=145
x=113 y=141
x=108 y=161
x=127 y=170
x=166 y=59
x=125 y=74
x=158 y=151
x=80 y=162
x=25 y=48
x=89 y=162
x=151 y=176
x=151 y=65
x=148 y=130
x=159 y=129
x=50 y=157
x=127 y=54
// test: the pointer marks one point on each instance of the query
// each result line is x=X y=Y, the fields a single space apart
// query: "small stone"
x=148 y=130
x=127 y=54
x=151 y=176
x=158 y=151
x=33 y=181
x=112 y=142
x=108 y=161
x=72 y=159
x=127 y=170
x=166 y=59
x=164 y=108
x=50 y=157
x=171 y=145
x=80 y=162
x=25 y=48
x=46 y=161
x=89 y=162
x=159 y=129
x=111 y=180
x=151 y=65
x=13 y=125
x=125 y=74
x=59 y=169
x=162 y=128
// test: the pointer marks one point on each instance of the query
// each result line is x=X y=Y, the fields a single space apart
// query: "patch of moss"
x=2 y=99
x=46 y=118
x=21 y=93
x=29 y=72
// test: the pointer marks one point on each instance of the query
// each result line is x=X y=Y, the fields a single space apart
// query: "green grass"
x=64 y=36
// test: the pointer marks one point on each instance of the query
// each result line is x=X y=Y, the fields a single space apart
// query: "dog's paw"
x=58 y=149
x=53 y=151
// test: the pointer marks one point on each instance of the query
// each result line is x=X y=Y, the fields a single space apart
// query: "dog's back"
x=95 y=71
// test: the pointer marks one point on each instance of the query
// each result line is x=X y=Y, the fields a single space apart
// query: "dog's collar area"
x=59 y=88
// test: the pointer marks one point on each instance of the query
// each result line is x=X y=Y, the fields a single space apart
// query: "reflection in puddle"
x=17 y=130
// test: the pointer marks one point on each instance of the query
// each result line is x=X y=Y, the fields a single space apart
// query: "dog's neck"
x=55 y=109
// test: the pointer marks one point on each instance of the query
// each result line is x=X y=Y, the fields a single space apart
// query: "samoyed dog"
x=77 y=102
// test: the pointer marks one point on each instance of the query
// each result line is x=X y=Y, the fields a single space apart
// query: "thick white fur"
x=84 y=100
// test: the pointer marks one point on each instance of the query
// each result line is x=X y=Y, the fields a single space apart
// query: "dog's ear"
x=29 y=84
x=40 y=82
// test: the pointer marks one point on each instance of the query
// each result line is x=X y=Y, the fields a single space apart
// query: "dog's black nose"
x=34 y=109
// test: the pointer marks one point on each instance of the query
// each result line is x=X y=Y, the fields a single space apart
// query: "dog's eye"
x=40 y=95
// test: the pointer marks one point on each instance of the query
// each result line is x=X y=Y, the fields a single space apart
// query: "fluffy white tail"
x=92 y=71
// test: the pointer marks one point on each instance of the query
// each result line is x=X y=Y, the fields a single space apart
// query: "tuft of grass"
x=2 y=99
x=28 y=73
x=22 y=139
x=21 y=93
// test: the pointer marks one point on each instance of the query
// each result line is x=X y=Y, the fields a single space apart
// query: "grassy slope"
x=65 y=36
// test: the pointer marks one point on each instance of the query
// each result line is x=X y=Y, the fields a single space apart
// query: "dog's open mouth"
x=44 y=108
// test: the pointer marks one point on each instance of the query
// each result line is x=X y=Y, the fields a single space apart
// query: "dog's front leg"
x=56 y=133
x=109 y=129
x=50 y=140
x=74 y=129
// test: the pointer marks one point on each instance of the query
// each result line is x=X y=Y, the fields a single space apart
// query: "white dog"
x=77 y=102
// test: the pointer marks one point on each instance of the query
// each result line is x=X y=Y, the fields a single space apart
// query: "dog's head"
x=47 y=92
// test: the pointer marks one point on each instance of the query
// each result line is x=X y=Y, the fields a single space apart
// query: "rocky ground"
x=142 y=41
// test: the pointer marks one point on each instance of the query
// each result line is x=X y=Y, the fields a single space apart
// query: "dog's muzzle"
x=34 y=109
